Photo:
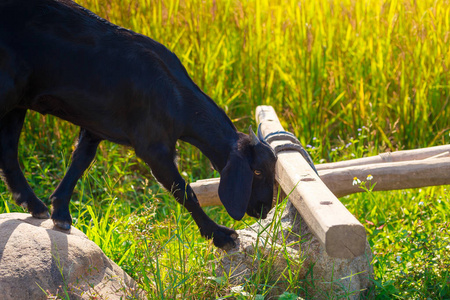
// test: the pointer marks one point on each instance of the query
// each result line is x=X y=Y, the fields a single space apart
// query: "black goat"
x=58 y=58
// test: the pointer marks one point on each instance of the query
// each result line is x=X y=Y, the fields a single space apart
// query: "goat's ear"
x=235 y=186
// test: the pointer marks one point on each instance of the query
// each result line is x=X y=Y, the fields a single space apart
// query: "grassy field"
x=349 y=78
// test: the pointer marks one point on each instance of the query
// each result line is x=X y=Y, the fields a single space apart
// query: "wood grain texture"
x=315 y=197
x=337 y=229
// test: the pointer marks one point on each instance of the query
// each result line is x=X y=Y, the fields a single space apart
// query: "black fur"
x=58 y=58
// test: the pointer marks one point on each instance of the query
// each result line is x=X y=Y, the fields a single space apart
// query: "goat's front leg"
x=81 y=159
x=10 y=128
x=161 y=161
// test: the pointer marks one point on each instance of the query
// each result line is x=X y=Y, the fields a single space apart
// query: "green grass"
x=349 y=78
x=328 y=67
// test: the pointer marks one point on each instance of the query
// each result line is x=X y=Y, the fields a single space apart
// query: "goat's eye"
x=257 y=172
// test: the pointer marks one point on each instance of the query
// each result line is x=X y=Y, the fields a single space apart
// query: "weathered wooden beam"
x=387 y=176
x=390 y=157
x=338 y=230
x=207 y=191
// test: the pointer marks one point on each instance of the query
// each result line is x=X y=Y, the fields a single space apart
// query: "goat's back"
x=92 y=73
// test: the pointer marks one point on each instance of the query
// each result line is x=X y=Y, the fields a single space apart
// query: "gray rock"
x=36 y=257
x=287 y=246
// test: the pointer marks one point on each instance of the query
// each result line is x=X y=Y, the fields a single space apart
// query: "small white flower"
x=369 y=177
x=237 y=289
x=356 y=181
x=240 y=291
x=399 y=259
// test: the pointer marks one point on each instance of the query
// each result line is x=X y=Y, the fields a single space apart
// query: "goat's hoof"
x=61 y=216
x=62 y=224
x=36 y=208
x=225 y=238
x=41 y=215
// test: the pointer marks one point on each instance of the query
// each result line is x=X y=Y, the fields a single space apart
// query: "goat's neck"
x=216 y=147
x=216 y=142
x=209 y=128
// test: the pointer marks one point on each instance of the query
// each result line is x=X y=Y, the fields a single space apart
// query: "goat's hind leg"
x=10 y=127
x=82 y=157
x=161 y=161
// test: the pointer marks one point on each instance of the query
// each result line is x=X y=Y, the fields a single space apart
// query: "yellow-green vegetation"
x=349 y=78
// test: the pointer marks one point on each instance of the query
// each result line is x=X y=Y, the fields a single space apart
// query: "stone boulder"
x=38 y=261
x=286 y=244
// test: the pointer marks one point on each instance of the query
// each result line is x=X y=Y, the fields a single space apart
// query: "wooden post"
x=339 y=231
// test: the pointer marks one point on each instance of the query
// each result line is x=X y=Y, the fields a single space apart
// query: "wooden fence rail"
x=315 y=198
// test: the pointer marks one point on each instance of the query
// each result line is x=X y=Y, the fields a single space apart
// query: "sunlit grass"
x=349 y=78
x=328 y=67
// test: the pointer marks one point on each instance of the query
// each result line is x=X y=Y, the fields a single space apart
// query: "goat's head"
x=246 y=183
